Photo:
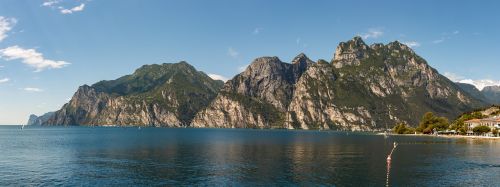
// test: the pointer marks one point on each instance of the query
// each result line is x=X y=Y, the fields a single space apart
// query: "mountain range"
x=489 y=94
x=363 y=87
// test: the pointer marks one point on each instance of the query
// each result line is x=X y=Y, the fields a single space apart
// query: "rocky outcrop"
x=351 y=52
x=155 y=95
x=258 y=97
x=363 y=88
x=473 y=91
x=38 y=120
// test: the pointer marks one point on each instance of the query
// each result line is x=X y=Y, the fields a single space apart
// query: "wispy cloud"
x=453 y=77
x=50 y=3
x=242 y=68
x=74 y=9
x=31 y=57
x=32 y=89
x=232 y=52
x=372 y=33
x=446 y=36
x=217 y=77
x=299 y=43
x=438 y=41
x=60 y=5
x=479 y=84
x=4 y=80
x=257 y=30
x=6 y=25
x=412 y=44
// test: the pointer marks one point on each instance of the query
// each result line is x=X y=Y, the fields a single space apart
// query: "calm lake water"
x=238 y=157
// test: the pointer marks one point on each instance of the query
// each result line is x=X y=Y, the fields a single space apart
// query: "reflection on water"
x=388 y=172
x=166 y=157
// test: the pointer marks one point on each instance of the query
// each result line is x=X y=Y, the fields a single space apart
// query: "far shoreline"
x=447 y=136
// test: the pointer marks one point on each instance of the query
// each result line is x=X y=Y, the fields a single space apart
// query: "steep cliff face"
x=379 y=86
x=256 y=98
x=473 y=91
x=364 y=87
x=38 y=120
x=492 y=94
x=158 y=95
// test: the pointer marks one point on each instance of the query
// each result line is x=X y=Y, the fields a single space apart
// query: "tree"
x=429 y=122
x=481 y=129
x=402 y=128
x=494 y=131
x=459 y=126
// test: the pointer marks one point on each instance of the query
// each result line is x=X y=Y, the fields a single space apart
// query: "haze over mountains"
x=489 y=94
x=362 y=88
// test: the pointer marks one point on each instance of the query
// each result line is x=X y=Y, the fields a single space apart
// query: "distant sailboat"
x=22 y=127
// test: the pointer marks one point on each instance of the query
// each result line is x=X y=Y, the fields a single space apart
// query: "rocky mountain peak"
x=301 y=58
x=300 y=64
x=350 y=52
x=396 y=45
x=263 y=66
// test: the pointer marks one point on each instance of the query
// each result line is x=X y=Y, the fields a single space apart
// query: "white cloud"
x=217 y=77
x=453 y=77
x=4 y=80
x=74 y=9
x=372 y=33
x=50 y=3
x=412 y=44
x=479 y=84
x=257 y=31
x=31 y=89
x=6 y=25
x=233 y=53
x=31 y=57
x=56 y=4
x=438 y=41
x=242 y=68
x=446 y=36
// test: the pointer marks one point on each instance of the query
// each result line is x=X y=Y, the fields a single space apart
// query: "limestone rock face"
x=155 y=95
x=228 y=112
x=258 y=97
x=351 y=52
x=38 y=120
x=269 y=79
x=364 y=88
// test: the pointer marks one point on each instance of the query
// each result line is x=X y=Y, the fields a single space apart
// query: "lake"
x=90 y=156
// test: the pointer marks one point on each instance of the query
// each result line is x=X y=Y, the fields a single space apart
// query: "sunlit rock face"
x=362 y=88
x=154 y=95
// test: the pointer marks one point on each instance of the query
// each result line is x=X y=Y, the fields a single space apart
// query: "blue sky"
x=50 y=47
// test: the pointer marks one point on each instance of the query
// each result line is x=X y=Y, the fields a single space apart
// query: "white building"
x=493 y=122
